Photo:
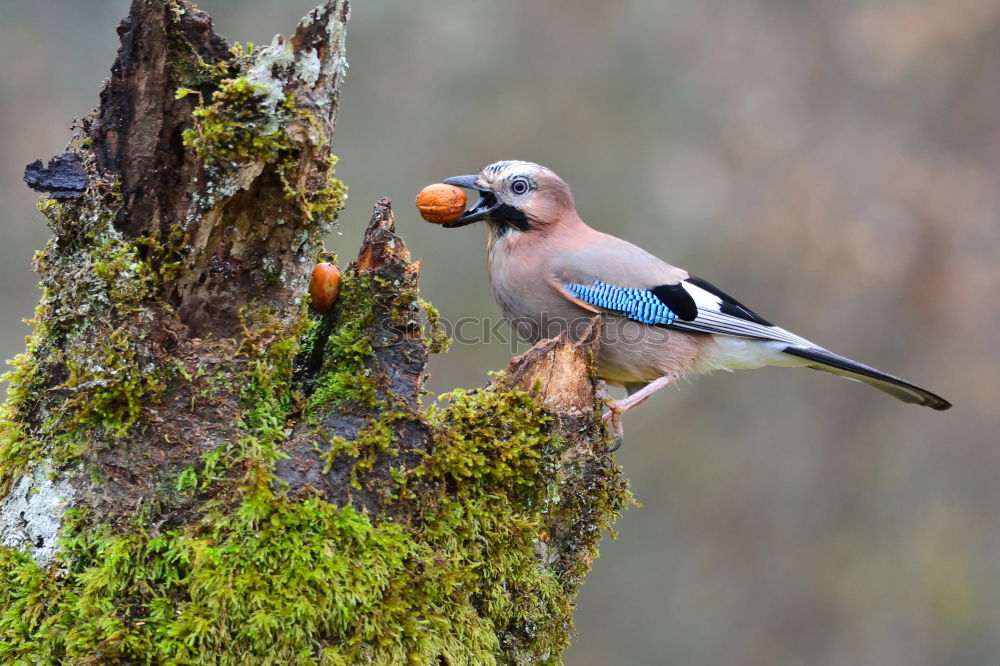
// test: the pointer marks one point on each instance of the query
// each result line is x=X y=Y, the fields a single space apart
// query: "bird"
x=551 y=272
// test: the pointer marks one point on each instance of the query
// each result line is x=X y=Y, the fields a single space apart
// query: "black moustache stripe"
x=507 y=216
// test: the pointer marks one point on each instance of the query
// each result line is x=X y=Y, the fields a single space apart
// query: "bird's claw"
x=602 y=393
x=614 y=415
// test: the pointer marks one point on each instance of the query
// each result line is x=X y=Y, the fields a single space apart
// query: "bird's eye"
x=519 y=185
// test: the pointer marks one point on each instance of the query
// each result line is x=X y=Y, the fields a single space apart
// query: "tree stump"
x=196 y=468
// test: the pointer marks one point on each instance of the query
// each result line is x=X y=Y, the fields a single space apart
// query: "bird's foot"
x=614 y=415
x=618 y=407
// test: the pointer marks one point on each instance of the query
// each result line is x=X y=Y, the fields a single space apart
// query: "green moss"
x=95 y=285
x=344 y=376
x=324 y=203
x=17 y=446
x=128 y=279
x=264 y=578
x=244 y=123
x=273 y=580
x=241 y=50
x=105 y=357
x=435 y=336
x=266 y=390
x=492 y=459
x=108 y=384
x=374 y=440
x=282 y=582
x=165 y=256
x=487 y=436
x=237 y=125
x=17 y=449
x=455 y=575
x=193 y=70
x=259 y=576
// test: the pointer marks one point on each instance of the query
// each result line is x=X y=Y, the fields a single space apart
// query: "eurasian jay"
x=551 y=272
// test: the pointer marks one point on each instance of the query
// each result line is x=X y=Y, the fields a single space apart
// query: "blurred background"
x=835 y=165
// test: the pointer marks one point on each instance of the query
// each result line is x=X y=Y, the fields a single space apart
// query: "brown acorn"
x=324 y=287
x=440 y=203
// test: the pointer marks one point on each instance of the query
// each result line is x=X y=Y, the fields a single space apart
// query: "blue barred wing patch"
x=641 y=305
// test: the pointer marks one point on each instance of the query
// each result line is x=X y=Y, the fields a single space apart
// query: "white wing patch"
x=703 y=299
x=711 y=319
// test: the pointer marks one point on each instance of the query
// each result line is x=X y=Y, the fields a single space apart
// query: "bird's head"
x=515 y=195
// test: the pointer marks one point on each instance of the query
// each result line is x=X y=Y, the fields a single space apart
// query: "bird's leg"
x=627 y=403
x=619 y=407
x=602 y=393
x=617 y=431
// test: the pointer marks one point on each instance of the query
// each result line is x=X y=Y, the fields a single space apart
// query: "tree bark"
x=197 y=468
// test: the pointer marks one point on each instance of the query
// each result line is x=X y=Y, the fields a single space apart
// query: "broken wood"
x=195 y=467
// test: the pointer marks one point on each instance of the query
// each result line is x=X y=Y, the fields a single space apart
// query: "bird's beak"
x=481 y=210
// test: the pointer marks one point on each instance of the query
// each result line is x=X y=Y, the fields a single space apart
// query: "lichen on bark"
x=203 y=470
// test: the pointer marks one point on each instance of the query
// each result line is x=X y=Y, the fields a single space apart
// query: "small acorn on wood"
x=440 y=203
x=324 y=287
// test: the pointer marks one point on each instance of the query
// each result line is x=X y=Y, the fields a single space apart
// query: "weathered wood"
x=195 y=468
x=210 y=188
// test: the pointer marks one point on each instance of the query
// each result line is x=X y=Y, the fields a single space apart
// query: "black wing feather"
x=730 y=305
x=680 y=302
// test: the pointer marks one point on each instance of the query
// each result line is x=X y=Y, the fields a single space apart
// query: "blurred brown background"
x=835 y=165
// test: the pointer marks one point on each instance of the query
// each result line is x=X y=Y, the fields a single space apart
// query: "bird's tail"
x=820 y=359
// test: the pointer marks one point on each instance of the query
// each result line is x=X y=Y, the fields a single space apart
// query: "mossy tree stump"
x=195 y=468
